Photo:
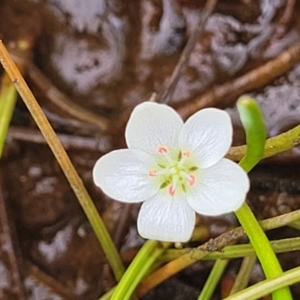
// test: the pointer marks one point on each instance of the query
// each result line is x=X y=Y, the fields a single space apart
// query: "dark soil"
x=108 y=56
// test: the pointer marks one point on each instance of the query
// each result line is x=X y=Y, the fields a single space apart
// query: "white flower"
x=175 y=169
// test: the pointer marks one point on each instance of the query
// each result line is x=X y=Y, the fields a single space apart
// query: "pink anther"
x=162 y=150
x=172 y=190
x=192 y=179
x=152 y=173
x=186 y=154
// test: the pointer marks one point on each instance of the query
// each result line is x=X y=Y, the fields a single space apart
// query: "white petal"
x=220 y=189
x=123 y=175
x=152 y=125
x=208 y=135
x=166 y=219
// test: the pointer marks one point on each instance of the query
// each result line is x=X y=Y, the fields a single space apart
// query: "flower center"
x=175 y=173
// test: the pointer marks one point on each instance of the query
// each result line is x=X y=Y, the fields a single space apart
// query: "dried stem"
x=59 y=99
x=226 y=94
x=166 y=94
x=65 y=163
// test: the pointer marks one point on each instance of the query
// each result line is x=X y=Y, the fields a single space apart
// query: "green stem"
x=188 y=257
x=260 y=242
x=138 y=268
x=255 y=129
x=8 y=99
x=268 y=286
x=235 y=251
x=263 y=249
x=274 y=145
x=243 y=277
x=213 y=279
x=108 y=294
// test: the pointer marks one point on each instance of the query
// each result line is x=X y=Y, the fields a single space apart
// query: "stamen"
x=172 y=187
x=174 y=174
x=165 y=171
x=172 y=190
x=182 y=162
x=162 y=150
x=192 y=179
x=152 y=173
x=184 y=175
x=165 y=152
x=186 y=153
x=175 y=180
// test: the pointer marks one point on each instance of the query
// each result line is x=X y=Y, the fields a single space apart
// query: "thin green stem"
x=295 y=224
x=259 y=241
x=189 y=256
x=243 y=277
x=138 y=268
x=213 y=279
x=108 y=294
x=254 y=126
x=8 y=99
x=274 y=145
x=235 y=251
x=268 y=286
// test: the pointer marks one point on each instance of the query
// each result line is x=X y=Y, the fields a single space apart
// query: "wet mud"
x=105 y=57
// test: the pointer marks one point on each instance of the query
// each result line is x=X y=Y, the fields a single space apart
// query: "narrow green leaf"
x=253 y=123
x=255 y=129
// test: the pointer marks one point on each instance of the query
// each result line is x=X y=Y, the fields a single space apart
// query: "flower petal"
x=166 y=219
x=152 y=125
x=222 y=188
x=208 y=135
x=123 y=175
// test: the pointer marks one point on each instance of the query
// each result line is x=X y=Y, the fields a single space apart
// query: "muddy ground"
x=106 y=57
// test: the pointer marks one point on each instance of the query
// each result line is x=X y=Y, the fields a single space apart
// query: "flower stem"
x=243 y=277
x=255 y=129
x=262 y=248
x=213 y=279
x=138 y=268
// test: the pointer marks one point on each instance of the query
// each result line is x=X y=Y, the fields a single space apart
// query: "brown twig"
x=167 y=92
x=225 y=94
x=286 y=17
x=59 y=99
x=56 y=287
x=69 y=142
